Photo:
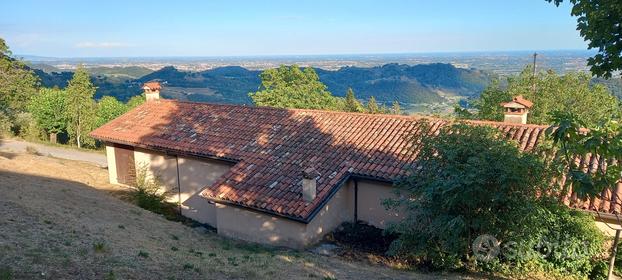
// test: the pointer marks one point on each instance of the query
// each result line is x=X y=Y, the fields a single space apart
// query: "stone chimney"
x=152 y=90
x=516 y=110
x=309 y=182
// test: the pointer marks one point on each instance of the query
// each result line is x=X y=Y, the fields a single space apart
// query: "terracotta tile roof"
x=520 y=100
x=272 y=147
x=152 y=85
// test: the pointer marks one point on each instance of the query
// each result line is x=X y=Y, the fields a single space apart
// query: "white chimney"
x=309 y=182
x=152 y=91
x=516 y=110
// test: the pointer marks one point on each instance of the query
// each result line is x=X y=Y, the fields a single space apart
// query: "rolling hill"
x=424 y=83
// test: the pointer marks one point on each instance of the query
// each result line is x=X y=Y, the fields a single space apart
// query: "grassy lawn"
x=61 y=219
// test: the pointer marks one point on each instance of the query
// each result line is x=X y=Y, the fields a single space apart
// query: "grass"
x=6 y=273
x=99 y=247
x=143 y=254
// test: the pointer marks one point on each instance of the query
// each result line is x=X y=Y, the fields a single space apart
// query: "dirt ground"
x=62 y=220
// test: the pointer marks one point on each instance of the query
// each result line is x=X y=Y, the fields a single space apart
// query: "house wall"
x=371 y=194
x=194 y=176
x=264 y=228
x=339 y=209
x=158 y=165
x=236 y=222
x=112 y=164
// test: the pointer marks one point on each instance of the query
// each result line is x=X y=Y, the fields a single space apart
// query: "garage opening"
x=126 y=168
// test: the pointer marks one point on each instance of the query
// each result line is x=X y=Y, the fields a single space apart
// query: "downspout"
x=178 y=184
x=356 y=201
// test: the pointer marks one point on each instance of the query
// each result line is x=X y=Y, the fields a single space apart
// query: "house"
x=284 y=177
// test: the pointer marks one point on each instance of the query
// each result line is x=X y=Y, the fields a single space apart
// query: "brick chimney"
x=309 y=182
x=516 y=110
x=152 y=90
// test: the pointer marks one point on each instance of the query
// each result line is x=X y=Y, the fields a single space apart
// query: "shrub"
x=5 y=125
x=26 y=126
x=472 y=185
x=148 y=191
x=567 y=242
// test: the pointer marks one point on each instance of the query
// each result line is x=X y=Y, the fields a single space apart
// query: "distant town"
x=501 y=63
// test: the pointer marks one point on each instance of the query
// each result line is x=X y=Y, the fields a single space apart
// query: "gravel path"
x=19 y=146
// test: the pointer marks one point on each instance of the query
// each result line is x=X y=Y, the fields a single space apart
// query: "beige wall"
x=194 y=176
x=112 y=164
x=158 y=165
x=263 y=228
x=258 y=227
x=338 y=210
x=370 y=208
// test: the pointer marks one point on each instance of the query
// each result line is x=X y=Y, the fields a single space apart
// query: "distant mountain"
x=424 y=83
x=44 y=67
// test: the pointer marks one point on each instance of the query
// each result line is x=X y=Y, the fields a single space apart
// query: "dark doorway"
x=126 y=168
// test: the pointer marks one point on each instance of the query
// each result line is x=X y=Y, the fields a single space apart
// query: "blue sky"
x=229 y=28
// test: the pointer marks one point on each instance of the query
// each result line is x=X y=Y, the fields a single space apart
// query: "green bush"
x=471 y=185
x=573 y=238
x=25 y=126
x=148 y=191
x=5 y=125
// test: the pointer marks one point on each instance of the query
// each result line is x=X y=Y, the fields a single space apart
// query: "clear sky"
x=66 y=28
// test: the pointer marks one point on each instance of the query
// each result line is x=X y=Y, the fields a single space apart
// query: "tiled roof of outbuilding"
x=272 y=147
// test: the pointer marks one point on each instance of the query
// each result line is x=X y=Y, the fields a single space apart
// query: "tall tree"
x=48 y=107
x=108 y=108
x=395 y=108
x=600 y=23
x=352 y=104
x=571 y=92
x=80 y=107
x=372 y=106
x=292 y=87
x=17 y=83
x=489 y=102
x=135 y=101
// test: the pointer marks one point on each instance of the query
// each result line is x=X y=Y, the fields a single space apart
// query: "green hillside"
x=425 y=83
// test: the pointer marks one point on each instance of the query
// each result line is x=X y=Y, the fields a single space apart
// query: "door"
x=126 y=168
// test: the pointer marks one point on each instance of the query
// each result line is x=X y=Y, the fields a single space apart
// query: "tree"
x=49 y=107
x=291 y=87
x=489 y=103
x=599 y=22
x=135 y=101
x=571 y=142
x=352 y=104
x=372 y=106
x=571 y=92
x=458 y=193
x=80 y=107
x=109 y=108
x=395 y=108
x=17 y=82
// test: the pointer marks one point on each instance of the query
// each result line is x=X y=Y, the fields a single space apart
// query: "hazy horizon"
x=67 y=29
